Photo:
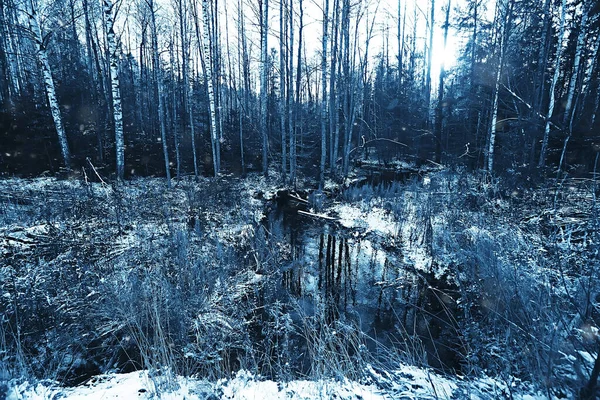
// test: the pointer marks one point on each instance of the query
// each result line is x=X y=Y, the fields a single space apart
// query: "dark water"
x=338 y=274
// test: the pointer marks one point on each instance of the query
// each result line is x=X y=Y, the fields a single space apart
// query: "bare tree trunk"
x=175 y=123
x=589 y=73
x=209 y=83
x=334 y=127
x=10 y=86
x=297 y=103
x=401 y=30
x=113 y=58
x=346 y=83
x=555 y=77
x=439 y=110
x=157 y=71
x=264 y=28
x=324 y=93
x=42 y=56
x=242 y=57
x=282 y=87
x=187 y=114
x=567 y=118
x=429 y=64
x=543 y=58
x=569 y=113
x=492 y=136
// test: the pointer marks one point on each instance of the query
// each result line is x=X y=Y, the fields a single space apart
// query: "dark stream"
x=339 y=275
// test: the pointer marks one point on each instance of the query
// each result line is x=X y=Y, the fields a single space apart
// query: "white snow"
x=407 y=382
x=375 y=220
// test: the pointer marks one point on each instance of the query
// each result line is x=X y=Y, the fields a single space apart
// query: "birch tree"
x=503 y=9
x=206 y=45
x=552 y=90
x=113 y=60
x=41 y=42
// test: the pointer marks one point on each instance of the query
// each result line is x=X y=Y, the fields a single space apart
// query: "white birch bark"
x=492 y=135
x=555 y=77
x=113 y=59
x=209 y=83
x=42 y=56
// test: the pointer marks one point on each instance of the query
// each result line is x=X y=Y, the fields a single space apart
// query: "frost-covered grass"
x=99 y=279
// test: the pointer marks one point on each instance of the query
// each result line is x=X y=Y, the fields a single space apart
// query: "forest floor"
x=104 y=286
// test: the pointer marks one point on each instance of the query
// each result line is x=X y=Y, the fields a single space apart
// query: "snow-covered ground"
x=408 y=382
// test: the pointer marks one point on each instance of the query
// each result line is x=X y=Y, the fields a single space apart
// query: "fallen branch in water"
x=322 y=216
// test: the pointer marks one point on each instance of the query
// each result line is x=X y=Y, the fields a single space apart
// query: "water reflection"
x=334 y=273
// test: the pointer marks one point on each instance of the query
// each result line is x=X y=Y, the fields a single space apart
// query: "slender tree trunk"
x=264 y=24
x=158 y=82
x=298 y=93
x=289 y=100
x=113 y=58
x=175 y=122
x=215 y=46
x=334 y=130
x=187 y=109
x=589 y=73
x=567 y=118
x=492 y=135
x=401 y=29
x=42 y=56
x=209 y=83
x=243 y=105
x=10 y=86
x=552 y=102
x=346 y=83
x=282 y=86
x=429 y=64
x=324 y=93
x=439 y=111
x=569 y=112
x=543 y=58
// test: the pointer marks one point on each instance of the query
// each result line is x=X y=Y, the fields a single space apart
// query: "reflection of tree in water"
x=341 y=278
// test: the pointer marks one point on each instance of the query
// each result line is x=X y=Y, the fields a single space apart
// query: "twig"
x=317 y=215
x=95 y=171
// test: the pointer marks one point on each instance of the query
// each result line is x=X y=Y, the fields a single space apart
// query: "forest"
x=299 y=199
